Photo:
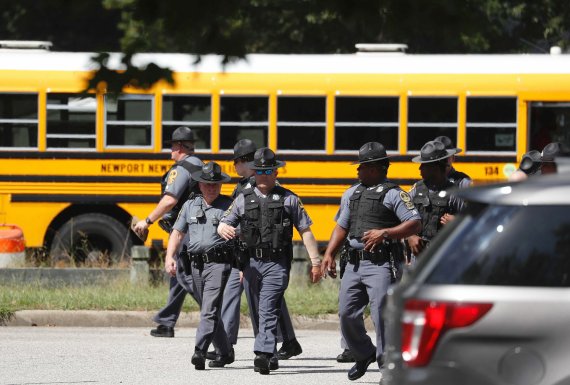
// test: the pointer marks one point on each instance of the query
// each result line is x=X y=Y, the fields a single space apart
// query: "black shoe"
x=289 y=349
x=273 y=363
x=261 y=363
x=360 y=368
x=162 y=331
x=220 y=361
x=198 y=360
x=345 y=356
x=211 y=355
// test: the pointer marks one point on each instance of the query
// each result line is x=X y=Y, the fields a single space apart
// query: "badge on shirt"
x=275 y=197
x=380 y=189
x=407 y=200
x=172 y=177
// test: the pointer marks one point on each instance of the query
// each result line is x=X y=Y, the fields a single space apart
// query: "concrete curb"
x=96 y=318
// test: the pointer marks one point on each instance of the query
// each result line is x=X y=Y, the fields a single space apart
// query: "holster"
x=165 y=225
x=343 y=260
x=185 y=261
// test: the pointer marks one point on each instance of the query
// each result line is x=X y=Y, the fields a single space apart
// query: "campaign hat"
x=244 y=147
x=530 y=162
x=265 y=159
x=182 y=134
x=554 y=149
x=433 y=151
x=446 y=140
x=371 y=152
x=211 y=172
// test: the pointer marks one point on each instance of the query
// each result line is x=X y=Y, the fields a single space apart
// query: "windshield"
x=507 y=245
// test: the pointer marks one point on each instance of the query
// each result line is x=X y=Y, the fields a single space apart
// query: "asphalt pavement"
x=129 y=355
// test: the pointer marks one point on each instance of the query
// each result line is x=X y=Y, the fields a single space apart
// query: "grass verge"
x=302 y=297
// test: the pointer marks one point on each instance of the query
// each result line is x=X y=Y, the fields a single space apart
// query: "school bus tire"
x=91 y=238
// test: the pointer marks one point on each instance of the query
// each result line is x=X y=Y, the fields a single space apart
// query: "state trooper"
x=458 y=178
x=244 y=150
x=266 y=215
x=176 y=186
x=373 y=220
x=435 y=205
x=207 y=264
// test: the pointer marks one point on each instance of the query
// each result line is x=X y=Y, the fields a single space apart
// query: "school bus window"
x=365 y=119
x=491 y=124
x=430 y=117
x=243 y=117
x=71 y=121
x=18 y=120
x=129 y=120
x=194 y=111
x=301 y=123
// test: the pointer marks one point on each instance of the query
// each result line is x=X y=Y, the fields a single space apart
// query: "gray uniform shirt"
x=292 y=206
x=455 y=203
x=395 y=200
x=200 y=222
x=179 y=178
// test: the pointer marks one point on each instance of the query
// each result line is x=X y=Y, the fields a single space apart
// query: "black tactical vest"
x=456 y=177
x=367 y=210
x=431 y=207
x=191 y=188
x=265 y=224
x=242 y=184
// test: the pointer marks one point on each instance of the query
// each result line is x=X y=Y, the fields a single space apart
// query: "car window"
x=507 y=245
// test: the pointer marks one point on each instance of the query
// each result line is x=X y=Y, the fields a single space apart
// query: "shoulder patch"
x=228 y=210
x=300 y=203
x=405 y=197
x=172 y=176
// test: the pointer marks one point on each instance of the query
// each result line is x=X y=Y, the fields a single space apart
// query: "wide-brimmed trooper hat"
x=211 y=172
x=244 y=147
x=554 y=149
x=530 y=162
x=264 y=159
x=182 y=134
x=371 y=152
x=446 y=140
x=433 y=151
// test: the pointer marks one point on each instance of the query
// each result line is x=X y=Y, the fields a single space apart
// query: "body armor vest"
x=243 y=184
x=431 y=208
x=265 y=223
x=191 y=188
x=456 y=177
x=368 y=212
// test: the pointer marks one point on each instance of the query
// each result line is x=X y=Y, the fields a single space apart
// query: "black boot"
x=289 y=349
x=162 y=331
x=198 y=360
x=345 y=356
x=261 y=363
x=360 y=368
x=220 y=361
x=273 y=363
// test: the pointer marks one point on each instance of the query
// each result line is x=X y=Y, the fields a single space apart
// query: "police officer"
x=458 y=178
x=549 y=153
x=373 y=220
x=435 y=205
x=207 y=264
x=244 y=150
x=266 y=215
x=176 y=187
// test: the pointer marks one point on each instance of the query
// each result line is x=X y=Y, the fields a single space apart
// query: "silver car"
x=489 y=301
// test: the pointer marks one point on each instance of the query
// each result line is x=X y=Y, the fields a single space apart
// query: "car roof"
x=551 y=189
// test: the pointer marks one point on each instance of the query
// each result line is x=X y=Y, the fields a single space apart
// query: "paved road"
x=69 y=355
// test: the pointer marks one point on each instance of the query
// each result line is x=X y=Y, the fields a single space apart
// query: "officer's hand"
x=315 y=274
x=170 y=266
x=371 y=238
x=328 y=266
x=140 y=227
x=416 y=244
x=241 y=277
x=446 y=218
x=226 y=231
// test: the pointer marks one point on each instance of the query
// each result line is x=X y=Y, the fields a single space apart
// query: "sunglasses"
x=264 y=172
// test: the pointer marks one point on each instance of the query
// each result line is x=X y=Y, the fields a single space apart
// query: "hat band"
x=435 y=156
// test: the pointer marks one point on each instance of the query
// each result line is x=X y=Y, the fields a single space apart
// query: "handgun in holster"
x=184 y=259
x=241 y=253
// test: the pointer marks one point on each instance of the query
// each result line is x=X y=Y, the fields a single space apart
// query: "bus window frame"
x=25 y=121
x=153 y=131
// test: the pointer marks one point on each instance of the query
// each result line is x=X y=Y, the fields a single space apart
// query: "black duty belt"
x=266 y=254
x=219 y=254
x=379 y=256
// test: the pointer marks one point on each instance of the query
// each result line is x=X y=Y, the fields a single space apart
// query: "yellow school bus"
x=78 y=166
